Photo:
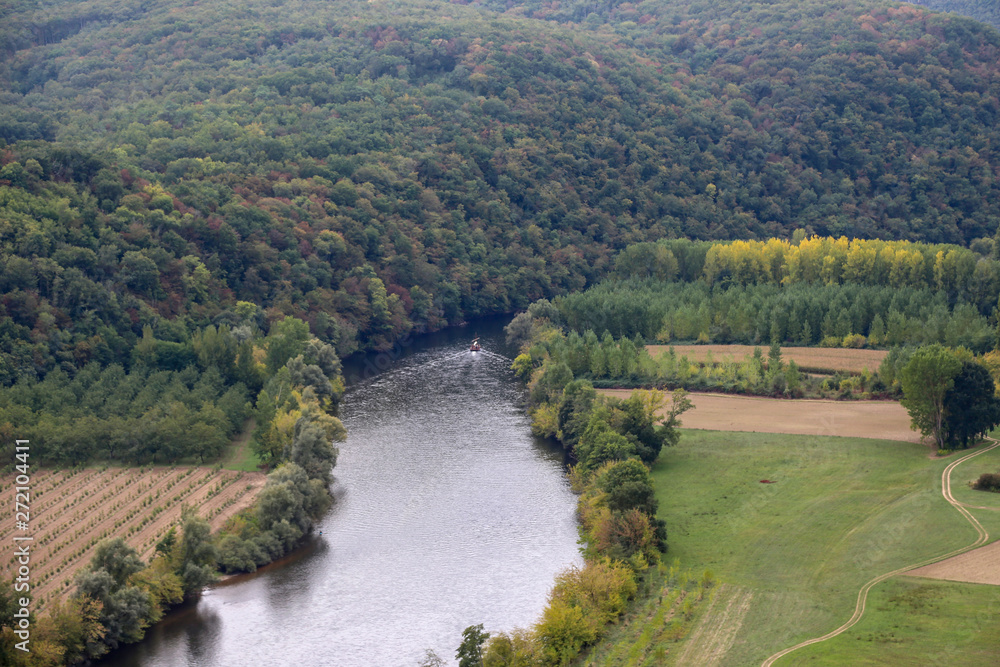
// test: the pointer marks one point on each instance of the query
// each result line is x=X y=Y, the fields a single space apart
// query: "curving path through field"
x=859 y=608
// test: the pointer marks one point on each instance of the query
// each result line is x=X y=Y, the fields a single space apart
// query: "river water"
x=448 y=513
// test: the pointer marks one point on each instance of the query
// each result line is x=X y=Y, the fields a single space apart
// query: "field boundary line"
x=775 y=399
x=859 y=608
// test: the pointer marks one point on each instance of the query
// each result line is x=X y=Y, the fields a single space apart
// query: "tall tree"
x=470 y=651
x=197 y=554
x=971 y=405
x=286 y=339
x=926 y=379
x=125 y=609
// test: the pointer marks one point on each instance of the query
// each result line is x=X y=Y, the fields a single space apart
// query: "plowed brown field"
x=827 y=358
x=979 y=566
x=73 y=511
x=882 y=420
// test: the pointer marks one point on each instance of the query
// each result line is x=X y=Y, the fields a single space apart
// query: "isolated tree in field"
x=971 y=406
x=926 y=379
x=679 y=404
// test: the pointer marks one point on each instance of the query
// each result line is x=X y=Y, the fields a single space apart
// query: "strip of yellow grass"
x=833 y=358
x=883 y=420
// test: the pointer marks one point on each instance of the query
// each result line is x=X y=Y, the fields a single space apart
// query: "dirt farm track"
x=884 y=420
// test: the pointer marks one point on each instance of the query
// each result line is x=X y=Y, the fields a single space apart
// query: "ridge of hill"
x=375 y=168
x=987 y=11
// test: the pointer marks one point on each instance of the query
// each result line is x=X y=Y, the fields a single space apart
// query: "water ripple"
x=448 y=513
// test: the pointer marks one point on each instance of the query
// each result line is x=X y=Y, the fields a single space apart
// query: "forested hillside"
x=376 y=167
x=203 y=205
x=987 y=11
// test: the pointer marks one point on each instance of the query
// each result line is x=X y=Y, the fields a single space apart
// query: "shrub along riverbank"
x=118 y=596
x=613 y=442
x=732 y=507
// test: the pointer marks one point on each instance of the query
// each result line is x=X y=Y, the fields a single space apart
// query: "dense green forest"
x=183 y=400
x=810 y=291
x=987 y=11
x=801 y=315
x=378 y=168
x=203 y=206
x=806 y=292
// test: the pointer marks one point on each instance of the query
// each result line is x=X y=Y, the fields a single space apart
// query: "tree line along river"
x=448 y=513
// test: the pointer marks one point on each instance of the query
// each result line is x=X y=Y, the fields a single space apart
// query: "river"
x=448 y=513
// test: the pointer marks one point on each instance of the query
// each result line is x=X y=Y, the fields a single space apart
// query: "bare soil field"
x=827 y=358
x=73 y=511
x=882 y=420
x=979 y=566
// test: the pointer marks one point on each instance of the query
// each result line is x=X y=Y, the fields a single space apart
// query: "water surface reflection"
x=447 y=513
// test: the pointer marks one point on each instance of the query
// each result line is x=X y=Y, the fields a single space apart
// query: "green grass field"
x=794 y=553
x=917 y=622
x=971 y=470
x=670 y=601
x=239 y=455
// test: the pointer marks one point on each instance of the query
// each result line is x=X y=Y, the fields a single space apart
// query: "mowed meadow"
x=886 y=420
x=72 y=511
x=824 y=360
x=789 y=556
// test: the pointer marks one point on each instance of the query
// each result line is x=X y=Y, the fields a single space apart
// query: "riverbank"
x=442 y=518
x=795 y=552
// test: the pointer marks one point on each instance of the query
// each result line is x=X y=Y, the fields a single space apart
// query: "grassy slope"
x=842 y=510
x=917 y=622
x=970 y=471
x=670 y=602
x=239 y=455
